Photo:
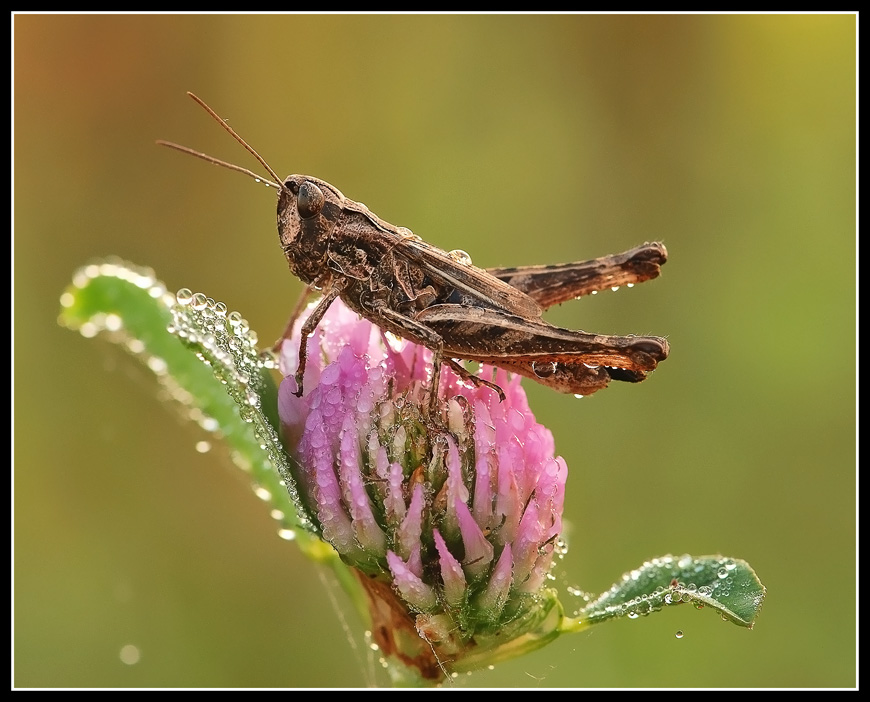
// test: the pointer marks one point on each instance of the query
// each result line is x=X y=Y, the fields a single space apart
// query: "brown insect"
x=440 y=300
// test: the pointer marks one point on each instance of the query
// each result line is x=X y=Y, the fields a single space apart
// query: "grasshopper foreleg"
x=308 y=328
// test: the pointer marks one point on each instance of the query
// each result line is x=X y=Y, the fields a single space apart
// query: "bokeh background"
x=521 y=139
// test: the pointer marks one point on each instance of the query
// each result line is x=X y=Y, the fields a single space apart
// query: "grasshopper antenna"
x=216 y=161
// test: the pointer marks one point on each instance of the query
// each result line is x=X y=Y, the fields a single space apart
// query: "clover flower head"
x=450 y=522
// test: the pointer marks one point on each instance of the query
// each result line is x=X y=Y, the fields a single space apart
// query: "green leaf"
x=726 y=585
x=208 y=362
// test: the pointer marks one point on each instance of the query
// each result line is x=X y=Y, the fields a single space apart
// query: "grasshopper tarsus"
x=475 y=380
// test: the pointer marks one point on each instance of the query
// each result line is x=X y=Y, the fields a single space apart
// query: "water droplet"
x=633 y=615
x=130 y=654
x=158 y=365
x=112 y=322
x=679 y=634
x=460 y=256
x=199 y=302
x=184 y=296
x=615 y=288
x=287 y=534
x=109 y=270
x=406 y=233
x=203 y=446
x=234 y=318
x=544 y=369
x=579 y=397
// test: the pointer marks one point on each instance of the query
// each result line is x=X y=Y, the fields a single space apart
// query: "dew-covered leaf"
x=728 y=586
x=206 y=358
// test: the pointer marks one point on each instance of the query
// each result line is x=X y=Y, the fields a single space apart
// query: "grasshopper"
x=439 y=300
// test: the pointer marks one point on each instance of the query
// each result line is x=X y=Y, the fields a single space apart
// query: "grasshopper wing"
x=551 y=285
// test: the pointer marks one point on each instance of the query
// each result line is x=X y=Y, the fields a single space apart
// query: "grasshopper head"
x=308 y=211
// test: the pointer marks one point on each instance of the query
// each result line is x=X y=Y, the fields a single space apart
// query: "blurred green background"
x=522 y=140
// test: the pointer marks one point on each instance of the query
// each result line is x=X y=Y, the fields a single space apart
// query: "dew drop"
x=199 y=302
x=130 y=654
x=287 y=534
x=679 y=634
x=460 y=256
x=406 y=233
x=184 y=296
x=615 y=288
x=234 y=318
x=158 y=365
x=203 y=446
x=109 y=270
x=544 y=369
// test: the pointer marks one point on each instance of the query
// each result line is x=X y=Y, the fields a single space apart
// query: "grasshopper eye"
x=310 y=200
